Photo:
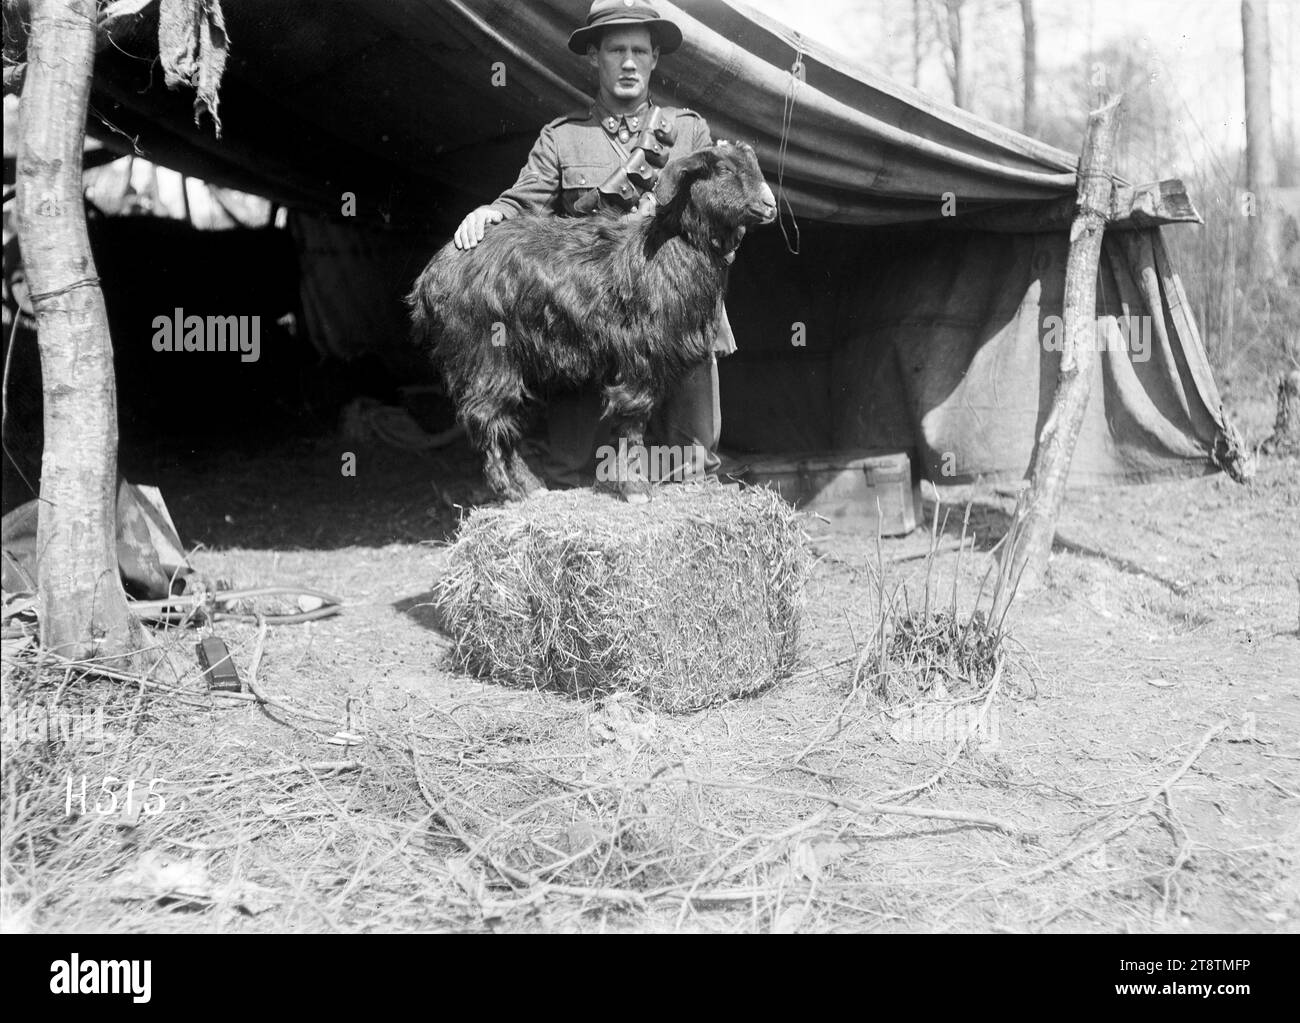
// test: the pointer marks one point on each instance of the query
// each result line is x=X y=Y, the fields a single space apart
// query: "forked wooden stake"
x=1037 y=512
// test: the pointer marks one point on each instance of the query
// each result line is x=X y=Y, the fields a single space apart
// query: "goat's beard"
x=727 y=240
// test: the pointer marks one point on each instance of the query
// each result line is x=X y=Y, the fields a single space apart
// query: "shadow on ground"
x=315 y=494
x=989 y=521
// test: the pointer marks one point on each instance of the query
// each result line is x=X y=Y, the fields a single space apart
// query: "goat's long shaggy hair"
x=630 y=304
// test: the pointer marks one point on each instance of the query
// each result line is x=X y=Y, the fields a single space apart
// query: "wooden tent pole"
x=83 y=609
x=1039 y=508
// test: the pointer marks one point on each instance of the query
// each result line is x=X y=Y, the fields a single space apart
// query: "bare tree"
x=1291 y=175
x=1261 y=160
x=947 y=15
x=916 y=44
x=83 y=608
x=1030 y=122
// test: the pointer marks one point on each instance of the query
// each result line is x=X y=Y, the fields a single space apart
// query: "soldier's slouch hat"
x=606 y=14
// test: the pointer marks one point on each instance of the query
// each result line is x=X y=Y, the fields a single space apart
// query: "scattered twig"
x=1067 y=857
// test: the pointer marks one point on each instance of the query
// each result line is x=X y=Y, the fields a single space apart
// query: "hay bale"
x=691 y=599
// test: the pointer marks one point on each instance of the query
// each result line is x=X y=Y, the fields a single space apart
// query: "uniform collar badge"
x=623 y=127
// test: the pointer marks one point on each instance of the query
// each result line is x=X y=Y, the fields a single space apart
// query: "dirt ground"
x=1171 y=610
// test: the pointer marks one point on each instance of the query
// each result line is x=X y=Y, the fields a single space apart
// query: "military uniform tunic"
x=577 y=152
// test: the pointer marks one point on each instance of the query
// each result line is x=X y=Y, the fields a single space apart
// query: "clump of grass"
x=935 y=652
x=941 y=654
x=65 y=724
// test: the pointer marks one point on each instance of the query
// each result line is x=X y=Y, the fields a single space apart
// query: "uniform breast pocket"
x=583 y=176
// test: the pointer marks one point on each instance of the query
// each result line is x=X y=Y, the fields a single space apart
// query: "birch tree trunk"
x=83 y=607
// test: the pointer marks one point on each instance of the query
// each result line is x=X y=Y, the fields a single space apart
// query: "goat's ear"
x=680 y=173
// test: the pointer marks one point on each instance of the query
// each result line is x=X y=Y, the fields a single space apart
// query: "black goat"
x=630 y=304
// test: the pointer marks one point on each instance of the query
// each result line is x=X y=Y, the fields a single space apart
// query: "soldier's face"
x=624 y=60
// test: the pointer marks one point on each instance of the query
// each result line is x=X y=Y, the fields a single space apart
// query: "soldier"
x=608 y=158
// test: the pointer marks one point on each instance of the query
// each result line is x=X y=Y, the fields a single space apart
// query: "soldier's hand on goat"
x=471 y=229
x=648 y=207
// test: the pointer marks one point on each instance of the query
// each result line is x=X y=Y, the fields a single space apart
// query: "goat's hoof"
x=524 y=479
x=635 y=492
x=507 y=494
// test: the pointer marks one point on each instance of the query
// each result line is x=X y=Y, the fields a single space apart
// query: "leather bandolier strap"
x=622 y=190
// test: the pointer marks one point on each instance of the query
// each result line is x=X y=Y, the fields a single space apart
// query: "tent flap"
x=948 y=345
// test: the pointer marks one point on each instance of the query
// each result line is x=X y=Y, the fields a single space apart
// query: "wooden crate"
x=858 y=490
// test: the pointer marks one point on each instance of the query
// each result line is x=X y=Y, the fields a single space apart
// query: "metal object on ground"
x=218 y=668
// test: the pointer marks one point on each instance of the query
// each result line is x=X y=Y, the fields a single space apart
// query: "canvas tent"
x=893 y=325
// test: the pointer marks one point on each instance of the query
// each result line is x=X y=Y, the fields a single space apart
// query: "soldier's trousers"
x=683 y=432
